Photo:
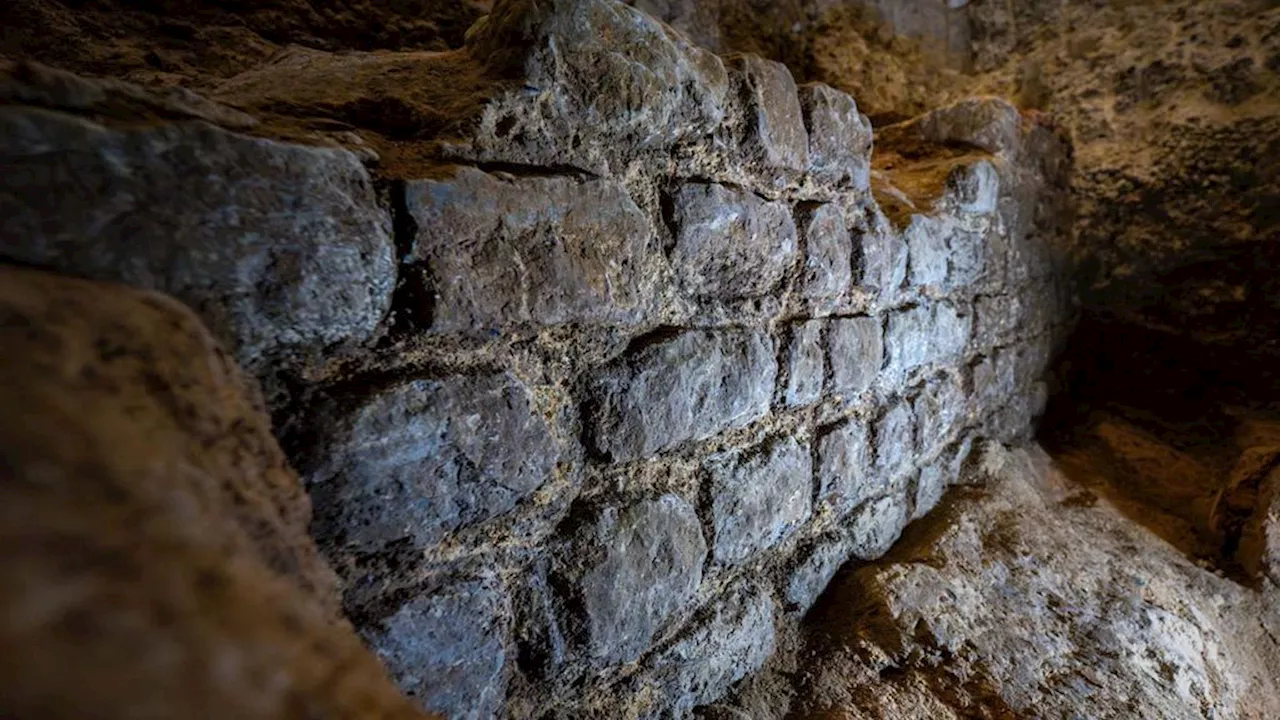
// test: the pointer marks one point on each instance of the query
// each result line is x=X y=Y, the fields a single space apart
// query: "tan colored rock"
x=154 y=556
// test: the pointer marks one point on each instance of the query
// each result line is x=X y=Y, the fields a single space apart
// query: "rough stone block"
x=759 y=497
x=806 y=368
x=855 y=353
x=994 y=381
x=429 y=456
x=539 y=634
x=926 y=239
x=884 y=259
x=730 y=243
x=447 y=649
x=608 y=82
x=846 y=475
x=968 y=261
x=500 y=251
x=280 y=248
x=876 y=526
x=895 y=441
x=923 y=335
x=973 y=188
x=828 y=267
x=733 y=640
x=941 y=411
x=996 y=320
x=930 y=486
x=687 y=388
x=630 y=570
x=839 y=137
x=775 y=122
x=807 y=581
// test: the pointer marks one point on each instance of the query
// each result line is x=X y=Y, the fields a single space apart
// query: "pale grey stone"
x=930 y=486
x=630 y=571
x=732 y=640
x=806 y=367
x=828 y=267
x=730 y=243
x=839 y=137
x=280 y=248
x=846 y=475
x=855 y=353
x=974 y=188
x=775 y=123
x=926 y=239
x=599 y=82
x=812 y=575
x=447 y=649
x=924 y=335
x=497 y=251
x=895 y=441
x=941 y=411
x=876 y=526
x=687 y=388
x=426 y=457
x=759 y=497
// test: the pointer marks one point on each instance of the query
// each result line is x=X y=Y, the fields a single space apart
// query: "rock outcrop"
x=1026 y=595
x=156 y=561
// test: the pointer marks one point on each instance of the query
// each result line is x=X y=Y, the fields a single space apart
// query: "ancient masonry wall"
x=599 y=397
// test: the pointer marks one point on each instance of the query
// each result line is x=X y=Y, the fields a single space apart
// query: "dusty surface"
x=154 y=540
x=1028 y=596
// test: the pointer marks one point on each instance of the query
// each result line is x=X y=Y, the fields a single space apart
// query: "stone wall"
x=598 y=353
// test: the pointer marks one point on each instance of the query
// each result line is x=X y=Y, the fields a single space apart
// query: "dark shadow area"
x=1168 y=405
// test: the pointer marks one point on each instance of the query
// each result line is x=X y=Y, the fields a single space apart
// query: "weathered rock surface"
x=418 y=460
x=155 y=550
x=759 y=497
x=731 y=641
x=855 y=353
x=806 y=364
x=686 y=388
x=829 y=253
x=1023 y=597
x=280 y=248
x=728 y=243
x=447 y=649
x=501 y=251
x=630 y=571
x=608 y=105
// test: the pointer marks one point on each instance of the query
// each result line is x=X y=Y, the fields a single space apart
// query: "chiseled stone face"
x=814 y=571
x=876 y=526
x=855 y=353
x=690 y=387
x=775 y=122
x=828 y=266
x=280 y=248
x=630 y=570
x=839 y=137
x=500 y=251
x=447 y=649
x=845 y=472
x=429 y=456
x=895 y=441
x=730 y=243
x=733 y=641
x=759 y=496
x=609 y=81
x=806 y=367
